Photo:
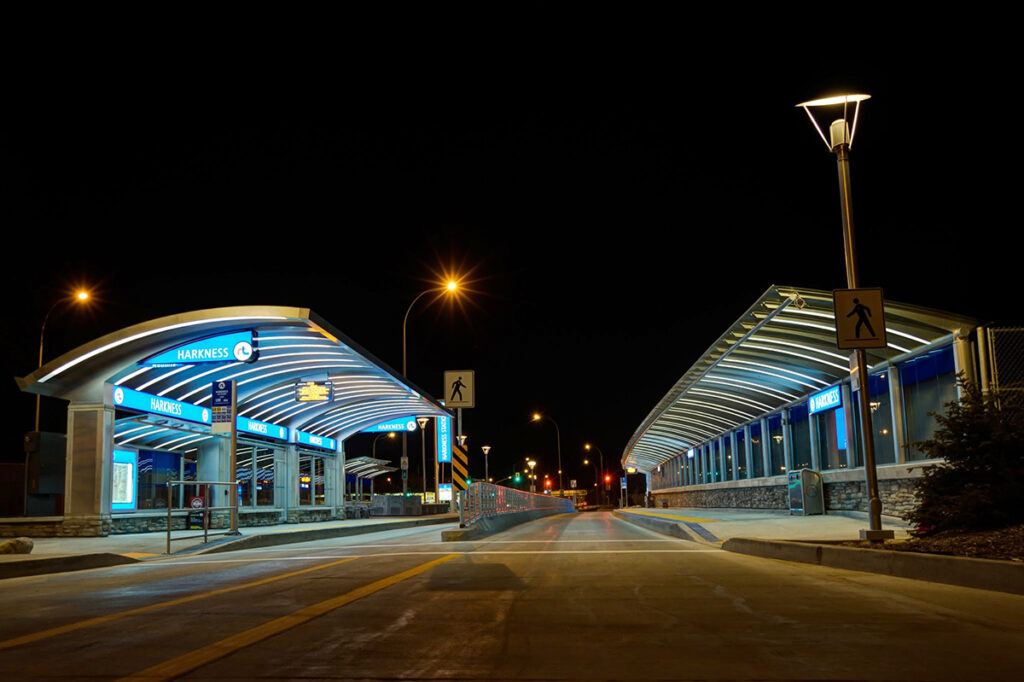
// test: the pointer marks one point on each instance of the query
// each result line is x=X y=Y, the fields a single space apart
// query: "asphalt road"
x=573 y=597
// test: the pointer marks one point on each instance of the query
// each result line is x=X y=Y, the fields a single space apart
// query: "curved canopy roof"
x=294 y=344
x=781 y=350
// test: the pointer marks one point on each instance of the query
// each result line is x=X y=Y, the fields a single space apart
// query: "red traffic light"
x=607 y=478
x=547 y=482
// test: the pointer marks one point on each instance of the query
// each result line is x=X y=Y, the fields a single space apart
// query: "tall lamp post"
x=840 y=139
x=423 y=421
x=487 y=472
x=450 y=287
x=603 y=493
x=79 y=297
x=558 y=439
x=532 y=463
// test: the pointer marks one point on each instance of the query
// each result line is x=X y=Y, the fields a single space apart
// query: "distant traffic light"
x=607 y=478
x=516 y=479
x=547 y=482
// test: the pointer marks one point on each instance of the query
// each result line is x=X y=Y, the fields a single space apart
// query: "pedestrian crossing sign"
x=459 y=388
x=860 y=318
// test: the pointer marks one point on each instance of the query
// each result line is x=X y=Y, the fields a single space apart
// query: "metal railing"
x=204 y=510
x=483 y=500
x=1006 y=353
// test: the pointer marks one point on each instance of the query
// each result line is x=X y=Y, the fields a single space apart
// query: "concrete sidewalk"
x=56 y=555
x=814 y=540
x=717 y=525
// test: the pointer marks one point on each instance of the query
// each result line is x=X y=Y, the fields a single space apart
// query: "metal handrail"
x=484 y=500
x=204 y=509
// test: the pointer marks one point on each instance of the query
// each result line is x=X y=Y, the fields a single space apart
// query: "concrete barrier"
x=495 y=524
x=984 y=574
x=659 y=525
x=60 y=564
x=271 y=539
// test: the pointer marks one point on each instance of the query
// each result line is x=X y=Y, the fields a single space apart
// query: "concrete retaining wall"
x=495 y=524
x=845 y=490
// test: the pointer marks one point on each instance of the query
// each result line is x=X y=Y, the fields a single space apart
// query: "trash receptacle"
x=806 y=493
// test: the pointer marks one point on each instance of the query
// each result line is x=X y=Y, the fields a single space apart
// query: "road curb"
x=676 y=529
x=290 y=537
x=984 y=574
x=63 y=563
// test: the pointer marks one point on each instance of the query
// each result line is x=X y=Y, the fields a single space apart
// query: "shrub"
x=981 y=483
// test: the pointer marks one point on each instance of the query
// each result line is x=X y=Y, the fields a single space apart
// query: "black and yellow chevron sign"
x=460 y=467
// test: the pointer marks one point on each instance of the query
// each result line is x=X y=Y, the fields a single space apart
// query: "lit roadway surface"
x=576 y=597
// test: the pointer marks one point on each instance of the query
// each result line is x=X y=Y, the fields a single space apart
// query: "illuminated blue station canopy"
x=299 y=380
x=781 y=351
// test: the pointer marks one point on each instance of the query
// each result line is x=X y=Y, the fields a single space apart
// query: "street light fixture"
x=487 y=472
x=840 y=140
x=80 y=296
x=537 y=417
x=531 y=463
x=450 y=287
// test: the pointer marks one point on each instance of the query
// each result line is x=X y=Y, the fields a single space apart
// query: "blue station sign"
x=258 y=428
x=395 y=425
x=303 y=438
x=825 y=400
x=155 y=404
x=233 y=347
x=443 y=427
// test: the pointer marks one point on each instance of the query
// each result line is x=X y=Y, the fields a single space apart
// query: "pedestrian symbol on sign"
x=860 y=318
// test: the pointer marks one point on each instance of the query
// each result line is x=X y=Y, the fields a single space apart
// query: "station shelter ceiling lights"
x=781 y=350
x=293 y=344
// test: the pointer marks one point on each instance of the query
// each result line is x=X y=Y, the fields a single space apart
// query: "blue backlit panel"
x=155 y=404
x=825 y=400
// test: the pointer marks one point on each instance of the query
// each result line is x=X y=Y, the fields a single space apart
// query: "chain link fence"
x=1006 y=353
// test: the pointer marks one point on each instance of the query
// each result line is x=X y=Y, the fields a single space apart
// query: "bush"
x=980 y=485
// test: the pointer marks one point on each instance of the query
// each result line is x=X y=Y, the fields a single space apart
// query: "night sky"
x=610 y=210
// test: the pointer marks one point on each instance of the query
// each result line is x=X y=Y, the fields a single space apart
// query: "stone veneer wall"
x=845 y=490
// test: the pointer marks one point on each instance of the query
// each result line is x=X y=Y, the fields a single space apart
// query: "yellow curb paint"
x=229 y=645
x=139 y=555
x=53 y=632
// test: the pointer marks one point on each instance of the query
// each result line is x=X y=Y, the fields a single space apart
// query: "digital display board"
x=314 y=391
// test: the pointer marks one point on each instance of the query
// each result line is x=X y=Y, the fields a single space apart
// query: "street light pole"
x=487 y=471
x=80 y=296
x=603 y=493
x=841 y=138
x=423 y=421
x=450 y=287
x=558 y=440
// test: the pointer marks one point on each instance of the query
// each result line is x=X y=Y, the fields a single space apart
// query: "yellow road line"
x=53 y=632
x=229 y=645
x=674 y=517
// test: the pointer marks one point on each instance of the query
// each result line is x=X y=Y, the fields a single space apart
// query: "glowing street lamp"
x=840 y=140
x=537 y=417
x=450 y=287
x=80 y=296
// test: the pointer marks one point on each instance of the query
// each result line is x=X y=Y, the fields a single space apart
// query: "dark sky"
x=612 y=204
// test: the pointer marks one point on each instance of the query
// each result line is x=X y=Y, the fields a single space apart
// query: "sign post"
x=224 y=406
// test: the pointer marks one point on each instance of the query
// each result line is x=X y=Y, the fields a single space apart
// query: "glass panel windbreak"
x=713 y=464
x=740 y=440
x=244 y=475
x=831 y=434
x=929 y=382
x=881 y=420
x=756 y=451
x=155 y=469
x=265 y=477
x=305 y=479
x=776 y=447
x=800 y=437
x=730 y=468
